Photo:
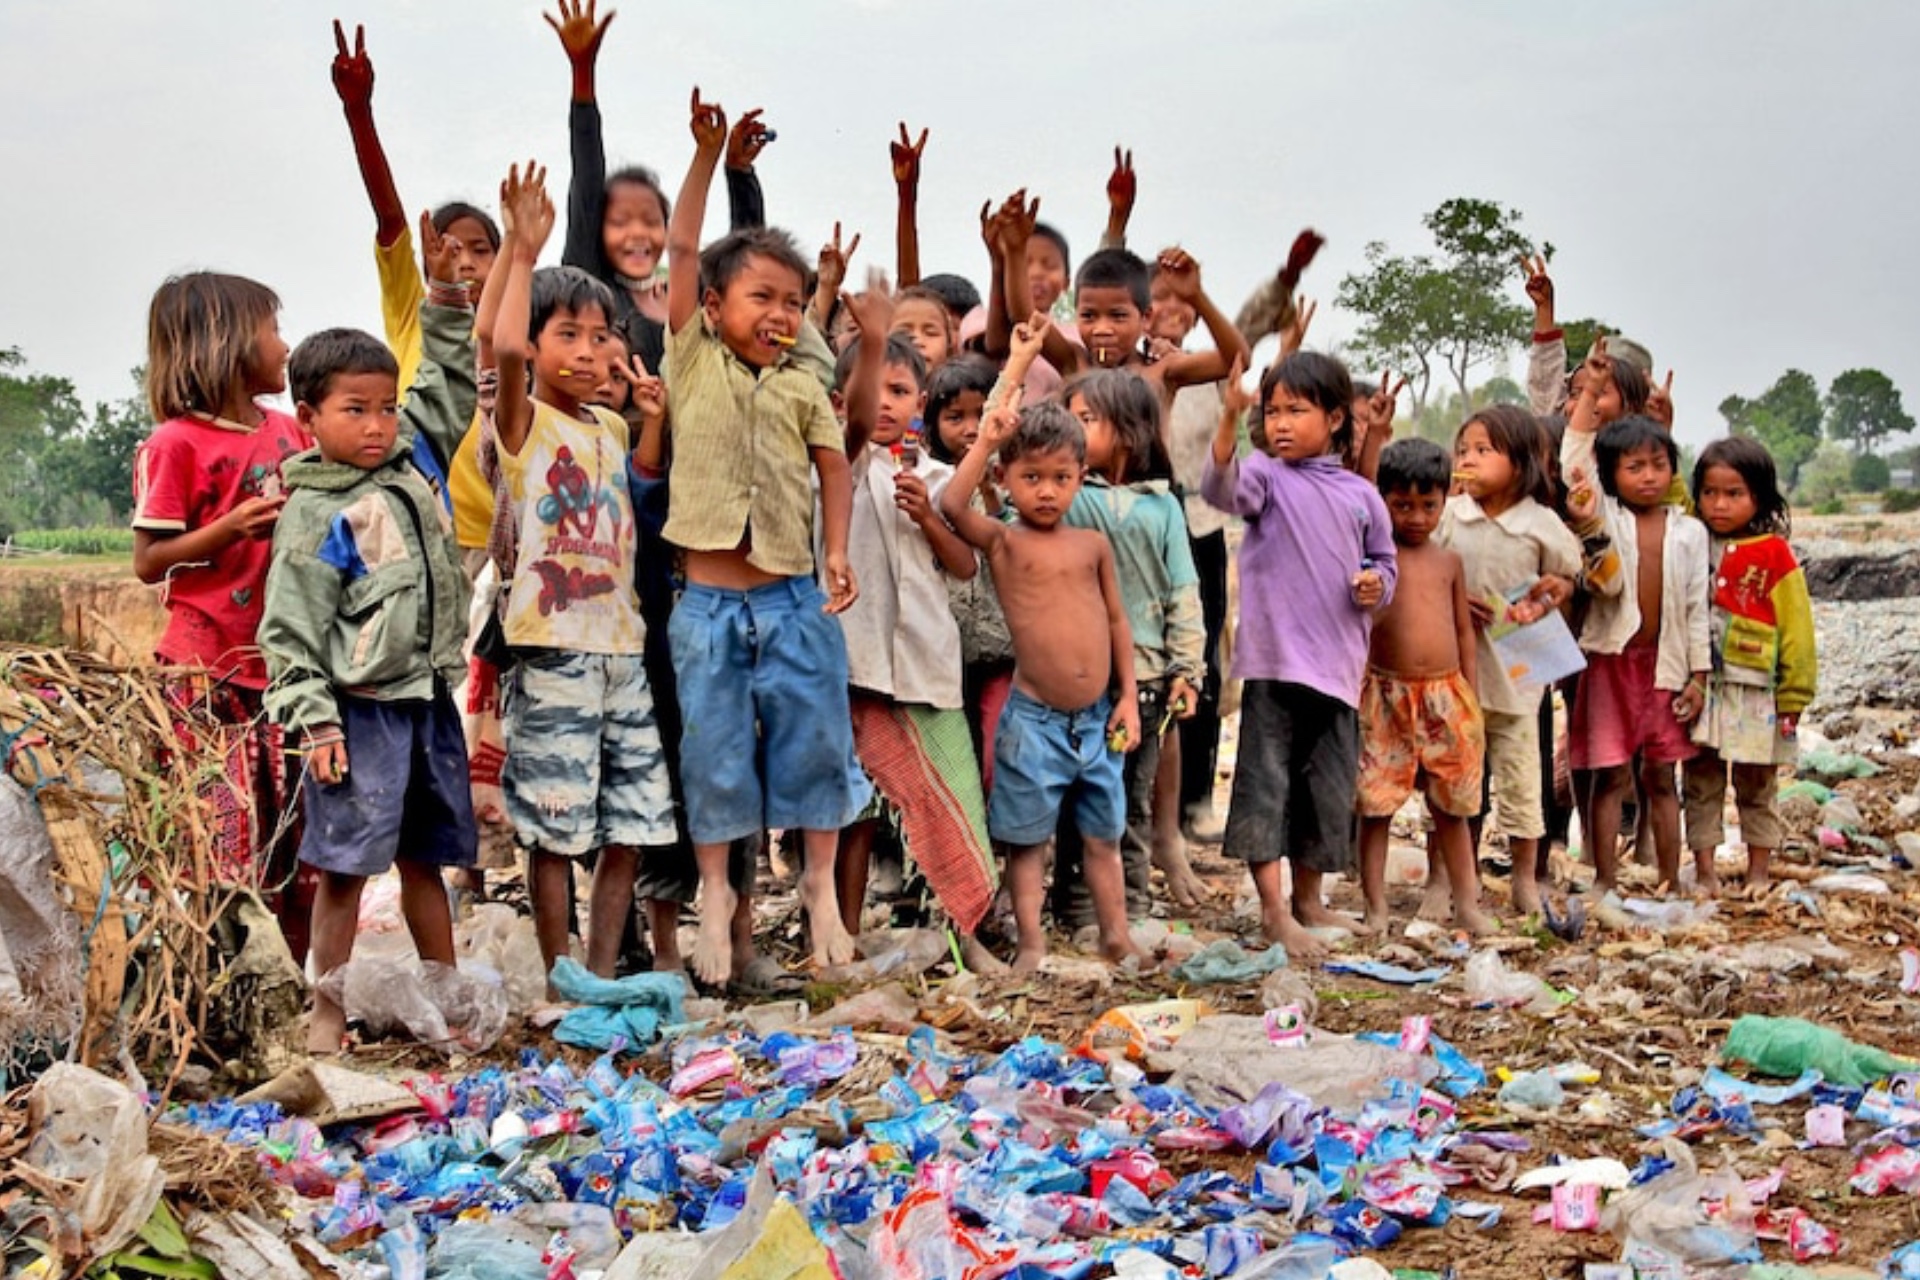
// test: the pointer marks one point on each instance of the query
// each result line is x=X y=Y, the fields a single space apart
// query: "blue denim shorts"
x=1044 y=757
x=767 y=738
x=406 y=793
x=584 y=765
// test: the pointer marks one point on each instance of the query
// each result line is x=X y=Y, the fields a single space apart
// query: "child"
x=903 y=654
x=1419 y=717
x=1764 y=663
x=207 y=492
x=1127 y=498
x=1061 y=733
x=921 y=317
x=364 y=622
x=584 y=770
x=1113 y=304
x=1520 y=562
x=762 y=671
x=1317 y=561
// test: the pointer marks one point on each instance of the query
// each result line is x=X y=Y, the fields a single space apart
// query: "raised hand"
x=872 y=309
x=1660 y=403
x=441 y=253
x=1122 y=186
x=834 y=260
x=748 y=138
x=998 y=426
x=1181 y=273
x=1583 y=503
x=709 y=124
x=649 y=394
x=1539 y=283
x=526 y=208
x=1293 y=335
x=1030 y=336
x=1234 y=396
x=1019 y=218
x=906 y=158
x=352 y=71
x=580 y=35
x=1384 y=403
x=1598 y=367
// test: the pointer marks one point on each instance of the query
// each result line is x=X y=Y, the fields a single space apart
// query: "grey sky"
x=1729 y=181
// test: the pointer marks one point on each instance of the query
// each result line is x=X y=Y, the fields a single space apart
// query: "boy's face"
x=1041 y=485
x=1046 y=273
x=477 y=253
x=1415 y=514
x=758 y=314
x=1643 y=476
x=356 y=420
x=634 y=230
x=901 y=401
x=615 y=391
x=1110 y=324
x=1173 y=318
x=927 y=326
x=959 y=422
x=572 y=354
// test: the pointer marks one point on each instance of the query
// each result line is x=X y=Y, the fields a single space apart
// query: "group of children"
x=755 y=553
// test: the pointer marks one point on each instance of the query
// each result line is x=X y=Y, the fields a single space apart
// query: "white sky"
x=1730 y=181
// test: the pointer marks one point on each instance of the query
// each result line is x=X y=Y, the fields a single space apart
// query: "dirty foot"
x=1027 y=959
x=1469 y=916
x=326 y=1028
x=1317 y=915
x=832 y=944
x=1706 y=884
x=1436 y=904
x=712 y=957
x=1186 y=887
x=980 y=960
x=1302 y=947
x=1526 y=894
x=1119 y=950
x=1377 y=920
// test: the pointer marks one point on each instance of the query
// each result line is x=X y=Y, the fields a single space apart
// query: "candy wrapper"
x=1886 y=1170
x=1135 y=1030
x=1826 y=1126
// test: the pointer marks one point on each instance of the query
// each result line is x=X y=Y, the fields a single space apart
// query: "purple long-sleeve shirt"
x=1311 y=526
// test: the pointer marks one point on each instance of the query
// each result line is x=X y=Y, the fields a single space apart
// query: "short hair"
x=899 y=351
x=961 y=374
x=566 y=289
x=1750 y=459
x=1320 y=380
x=454 y=210
x=1515 y=433
x=1045 y=428
x=1628 y=435
x=955 y=292
x=1124 y=399
x=1051 y=234
x=639 y=175
x=1117 y=269
x=1414 y=465
x=331 y=353
x=201 y=330
x=921 y=293
x=722 y=261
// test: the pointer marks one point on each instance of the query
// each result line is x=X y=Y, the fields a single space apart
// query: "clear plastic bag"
x=434 y=1003
x=1490 y=981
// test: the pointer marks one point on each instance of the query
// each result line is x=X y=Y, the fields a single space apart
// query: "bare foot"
x=1187 y=888
x=1376 y=920
x=1317 y=915
x=1706 y=884
x=1469 y=916
x=1436 y=903
x=832 y=944
x=1526 y=893
x=1302 y=947
x=1759 y=882
x=1027 y=959
x=977 y=958
x=326 y=1028
x=712 y=957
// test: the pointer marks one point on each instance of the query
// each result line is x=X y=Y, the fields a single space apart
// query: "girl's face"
x=1173 y=319
x=634 y=230
x=266 y=367
x=1102 y=442
x=959 y=423
x=1046 y=273
x=477 y=253
x=1297 y=428
x=1484 y=471
x=1727 y=505
x=926 y=325
x=1607 y=404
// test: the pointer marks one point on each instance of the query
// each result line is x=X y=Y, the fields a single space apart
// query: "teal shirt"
x=1147 y=527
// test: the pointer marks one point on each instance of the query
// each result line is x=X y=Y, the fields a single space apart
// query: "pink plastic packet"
x=1827 y=1125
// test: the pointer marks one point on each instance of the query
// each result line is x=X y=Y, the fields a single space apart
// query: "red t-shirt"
x=186 y=475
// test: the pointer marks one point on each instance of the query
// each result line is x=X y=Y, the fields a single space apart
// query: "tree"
x=1785 y=418
x=1579 y=338
x=62 y=470
x=1452 y=312
x=1827 y=475
x=1869 y=473
x=1863 y=408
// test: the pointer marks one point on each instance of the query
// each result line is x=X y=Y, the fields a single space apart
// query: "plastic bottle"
x=1789 y=1046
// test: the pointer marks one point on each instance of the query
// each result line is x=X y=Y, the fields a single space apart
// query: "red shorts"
x=1618 y=714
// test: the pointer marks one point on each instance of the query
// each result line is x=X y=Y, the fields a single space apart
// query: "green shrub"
x=1895 y=501
x=1870 y=473
x=76 y=542
x=1831 y=507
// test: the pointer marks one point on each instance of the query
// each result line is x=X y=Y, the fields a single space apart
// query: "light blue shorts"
x=584 y=768
x=1042 y=759
x=768 y=739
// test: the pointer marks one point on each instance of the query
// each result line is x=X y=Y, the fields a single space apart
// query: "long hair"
x=201 y=333
x=1125 y=400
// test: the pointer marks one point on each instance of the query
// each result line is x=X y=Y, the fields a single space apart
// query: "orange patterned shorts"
x=1415 y=728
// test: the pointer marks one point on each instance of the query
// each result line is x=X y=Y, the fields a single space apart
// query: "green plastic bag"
x=1788 y=1046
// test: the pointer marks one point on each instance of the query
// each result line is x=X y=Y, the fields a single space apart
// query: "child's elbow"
x=147 y=566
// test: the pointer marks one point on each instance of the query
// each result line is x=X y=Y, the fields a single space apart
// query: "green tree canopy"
x=63 y=469
x=1863 y=409
x=1785 y=418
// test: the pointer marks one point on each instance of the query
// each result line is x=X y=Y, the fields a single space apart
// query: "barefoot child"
x=1072 y=712
x=1317 y=561
x=1764 y=664
x=363 y=628
x=762 y=665
x=1419 y=717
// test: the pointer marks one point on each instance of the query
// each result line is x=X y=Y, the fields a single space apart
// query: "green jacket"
x=365 y=595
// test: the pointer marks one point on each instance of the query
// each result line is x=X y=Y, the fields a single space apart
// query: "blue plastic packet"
x=1459 y=1075
x=1359 y=1223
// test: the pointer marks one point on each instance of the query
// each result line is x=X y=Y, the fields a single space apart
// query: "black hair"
x=1044 y=428
x=1318 y=379
x=899 y=351
x=331 y=353
x=1629 y=379
x=1516 y=434
x=640 y=176
x=722 y=261
x=957 y=292
x=1414 y=465
x=454 y=210
x=1750 y=459
x=566 y=289
x=1051 y=234
x=948 y=383
x=921 y=293
x=1133 y=408
x=1117 y=269
x=1628 y=435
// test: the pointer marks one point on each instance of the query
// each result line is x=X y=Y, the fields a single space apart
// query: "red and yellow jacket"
x=1759 y=586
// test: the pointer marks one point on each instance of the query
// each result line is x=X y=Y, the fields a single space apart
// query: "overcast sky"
x=1732 y=182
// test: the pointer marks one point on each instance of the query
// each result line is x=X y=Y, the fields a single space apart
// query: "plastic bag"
x=1228 y=1058
x=891 y=953
x=1490 y=981
x=479 y=1251
x=434 y=1003
x=1819 y=763
x=1535 y=1089
x=495 y=937
x=1135 y=1030
x=1227 y=961
x=1667 y=1214
x=90 y=1129
x=1788 y=1046
x=885 y=1008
